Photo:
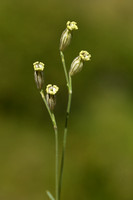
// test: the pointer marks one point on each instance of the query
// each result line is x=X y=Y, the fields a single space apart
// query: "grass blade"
x=50 y=195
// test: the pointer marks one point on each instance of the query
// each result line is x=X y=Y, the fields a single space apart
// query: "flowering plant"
x=50 y=97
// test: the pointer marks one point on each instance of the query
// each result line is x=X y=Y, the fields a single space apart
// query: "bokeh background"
x=99 y=157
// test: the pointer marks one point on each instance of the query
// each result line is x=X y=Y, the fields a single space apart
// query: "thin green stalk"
x=50 y=114
x=64 y=67
x=69 y=84
x=56 y=159
x=56 y=144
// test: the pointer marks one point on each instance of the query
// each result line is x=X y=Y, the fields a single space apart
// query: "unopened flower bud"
x=67 y=34
x=76 y=66
x=77 y=63
x=38 y=74
x=51 y=95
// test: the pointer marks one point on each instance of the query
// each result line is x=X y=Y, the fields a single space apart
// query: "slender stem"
x=43 y=97
x=69 y=84
x=50 y=195
x=56 y=160
x=56 y=144
x=64 y=66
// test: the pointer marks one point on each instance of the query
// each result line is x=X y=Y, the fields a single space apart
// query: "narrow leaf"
x=50 y=195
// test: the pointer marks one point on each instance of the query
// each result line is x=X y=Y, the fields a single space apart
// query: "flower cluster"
x=50 y=97
x=39 y=80
x=77 y=63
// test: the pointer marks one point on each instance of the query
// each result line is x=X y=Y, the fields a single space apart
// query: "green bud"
x=65 y=39
x=67 y=34
x=51 y=95
x=77 y=63
x=38 y=74
x=76 y=66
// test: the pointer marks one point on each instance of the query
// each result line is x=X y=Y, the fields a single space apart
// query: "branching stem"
x=64 y=67
x=69 y=85
x=56 y=144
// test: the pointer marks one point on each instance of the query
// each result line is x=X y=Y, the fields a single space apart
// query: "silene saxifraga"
x=50 y=98
x=50 y=95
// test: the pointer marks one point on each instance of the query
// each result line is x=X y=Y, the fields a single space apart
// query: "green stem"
x=69 y=84
x=56 y=144
x=50 y=195
x=50 y=114
x=56 y=160
x=64 y=67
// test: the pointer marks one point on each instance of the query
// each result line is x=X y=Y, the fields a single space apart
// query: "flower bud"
x=77 y=63
x=76 y=66
x=51 y=95
x=38 y=74
x=66 y=35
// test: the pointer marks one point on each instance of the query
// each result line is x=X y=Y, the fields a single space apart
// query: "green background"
x=99 y=156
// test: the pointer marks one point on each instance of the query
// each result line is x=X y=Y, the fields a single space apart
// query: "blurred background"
x=99 y=156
